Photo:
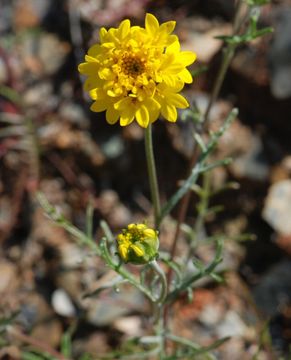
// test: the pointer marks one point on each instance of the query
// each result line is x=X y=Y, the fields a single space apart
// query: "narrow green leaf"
x=66 y=344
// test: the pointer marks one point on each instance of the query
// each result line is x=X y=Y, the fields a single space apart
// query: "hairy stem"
x=152 y=174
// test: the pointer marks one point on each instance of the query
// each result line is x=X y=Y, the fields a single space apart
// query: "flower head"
x=138 y=244
x=137 y=73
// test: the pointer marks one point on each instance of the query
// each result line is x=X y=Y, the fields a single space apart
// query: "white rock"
x=62 y=303
x=130 y=325
x=232 y=325
x=277 y=209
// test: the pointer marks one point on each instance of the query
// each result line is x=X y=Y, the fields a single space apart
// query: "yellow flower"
x=137 y=73
x=138 y=244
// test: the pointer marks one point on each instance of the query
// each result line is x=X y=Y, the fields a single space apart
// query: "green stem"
x=159 y=307
x=163 y=279
x=228 y=54
x=155 y=196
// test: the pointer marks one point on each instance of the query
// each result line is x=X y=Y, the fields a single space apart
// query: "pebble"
x=232 y=325
x=280 y=56
x=62 y=304
x=274 y=289
x=277 y=209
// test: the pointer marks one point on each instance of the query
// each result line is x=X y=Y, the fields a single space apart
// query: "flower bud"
x=138 y=244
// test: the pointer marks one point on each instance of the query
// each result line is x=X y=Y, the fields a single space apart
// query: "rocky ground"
x=79 y=158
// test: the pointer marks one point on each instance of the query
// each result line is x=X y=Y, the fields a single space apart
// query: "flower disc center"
x=132 y=65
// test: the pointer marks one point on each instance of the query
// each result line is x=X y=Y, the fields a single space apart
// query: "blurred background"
x=50 y=141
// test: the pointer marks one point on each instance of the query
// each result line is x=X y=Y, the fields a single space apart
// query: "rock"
x=50 y=331
x=71 y=282
x=28 y=13
x=74 y=114
x=274 y=289
x=112 y=209
x=284 y=242
x=203 y=43
x=211 y=314
x=231 y=325
x=94 y=343
x=34 y=309
x=62 y=304
x=129 y=325
x=43 y=53
x=35 y=94
x=8 y=280
x=113 y=147
x=280 y=56
x=10 y=352
x=218 y=311
x=252 y=164
x=112 y=11
x=110 y=306
x=72 y=256
x=133 y=132
x=281 y=171
x=277 y=209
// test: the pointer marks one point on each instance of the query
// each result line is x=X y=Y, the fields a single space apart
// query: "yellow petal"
x=99 y=105
x=89 y=58
x=97 y=94
x=94 y=50
x=123 y=104
x=105 y=74
x=108 y=45
x=125 y=120
x=123 y=29
x=177 y=100
x=138 y=251
x=141 y=226
x=149 y=233
x=170 y=80
x=112 y=115
x=187 y=57
x=92 y=83
x=142 y=116
x=168 y=27
x=172 y=39
x=173 y=48
x=123 y=251
x=153 y=108
x=88 y=68
x=102 y=34
x=186 y=76
x=151 y=24
x=127 y=114
x=169 y=112
x=93 y=93
x=174 y=68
